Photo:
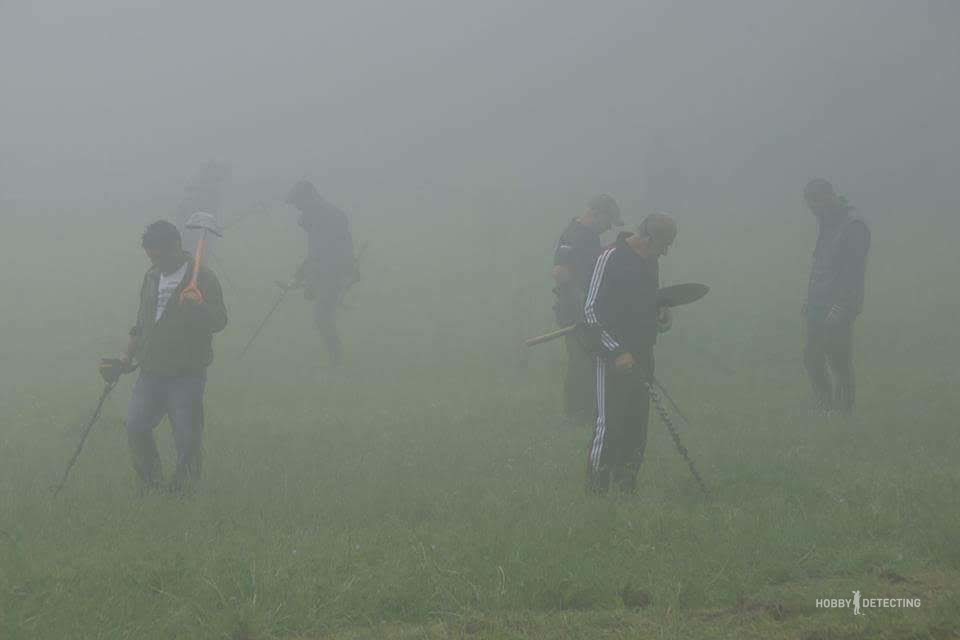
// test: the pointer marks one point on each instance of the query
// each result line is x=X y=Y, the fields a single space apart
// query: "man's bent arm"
x=594 y=304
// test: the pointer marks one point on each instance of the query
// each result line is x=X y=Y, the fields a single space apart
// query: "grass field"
x=426 y=490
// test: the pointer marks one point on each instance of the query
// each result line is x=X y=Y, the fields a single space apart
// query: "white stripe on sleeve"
x=588 y=311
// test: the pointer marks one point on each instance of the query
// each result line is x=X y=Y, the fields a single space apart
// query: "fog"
x=382 y=454
x=743 y=100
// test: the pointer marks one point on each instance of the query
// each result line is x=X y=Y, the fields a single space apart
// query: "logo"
x=858 y=603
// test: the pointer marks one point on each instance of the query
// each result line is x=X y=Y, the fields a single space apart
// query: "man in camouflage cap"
x=573 y=260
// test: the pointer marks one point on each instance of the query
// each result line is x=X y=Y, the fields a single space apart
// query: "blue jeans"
x=179 y=398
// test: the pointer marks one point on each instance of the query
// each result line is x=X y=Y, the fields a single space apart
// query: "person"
x=574 y=256
x=204 y=193
x=834 y=297
x=172 y=343
x=622 y=321
x=329 y=267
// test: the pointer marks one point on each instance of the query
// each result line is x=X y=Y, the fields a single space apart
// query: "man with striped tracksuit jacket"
x=622 y=320
x=575 y=256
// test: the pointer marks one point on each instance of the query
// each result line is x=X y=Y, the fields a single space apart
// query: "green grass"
x=426 y=490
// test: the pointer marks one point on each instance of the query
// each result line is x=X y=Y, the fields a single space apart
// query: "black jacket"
x=181 y=342
x=621 y=304
x=329 y=241
x=839 y=264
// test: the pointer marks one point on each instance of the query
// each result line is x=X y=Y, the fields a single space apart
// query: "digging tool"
x=284 y=288
x=672 y=296
x=89 y=426
x=207 y=224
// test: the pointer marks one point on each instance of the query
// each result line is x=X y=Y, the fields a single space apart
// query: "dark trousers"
x=579 y=383
x=620 y=436
x=179 y=398
x=325 y=292
x=828 y=358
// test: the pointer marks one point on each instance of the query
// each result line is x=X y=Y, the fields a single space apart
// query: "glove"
x=112 y=368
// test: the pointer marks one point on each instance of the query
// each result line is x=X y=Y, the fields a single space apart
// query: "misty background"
x=426 y=103
x=427 y=480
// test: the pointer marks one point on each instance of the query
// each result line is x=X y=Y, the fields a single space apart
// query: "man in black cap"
x=623 y=320
x=834 y=296
x=573 y=259
x=329 y=266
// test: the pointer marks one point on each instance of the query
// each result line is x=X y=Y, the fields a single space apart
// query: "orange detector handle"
x=192 y=285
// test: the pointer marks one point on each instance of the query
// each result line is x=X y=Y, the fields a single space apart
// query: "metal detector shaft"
x=266 y=318
x=666 y=394
x=672 y=429
x=83 y=437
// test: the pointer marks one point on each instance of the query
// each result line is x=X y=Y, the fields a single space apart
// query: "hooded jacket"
x=839 y=264
x=622 y=301
x=181 y=341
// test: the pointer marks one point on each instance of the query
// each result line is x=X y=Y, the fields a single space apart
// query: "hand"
x=112 y=368
x=191 y=296
x=624 y=362
x=664 y=319
x=561 y=274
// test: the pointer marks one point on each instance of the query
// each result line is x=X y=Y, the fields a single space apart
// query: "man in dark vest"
x=329 y=267
x=575 y=255
x=834 y=296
